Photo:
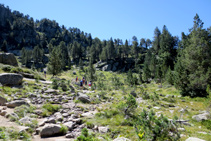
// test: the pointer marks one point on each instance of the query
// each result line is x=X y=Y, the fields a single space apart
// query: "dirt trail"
x=44 y=82
x=59 y=138
x=4 y=122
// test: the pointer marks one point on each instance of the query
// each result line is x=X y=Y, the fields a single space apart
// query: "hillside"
x=101 y=109
x=60 y=83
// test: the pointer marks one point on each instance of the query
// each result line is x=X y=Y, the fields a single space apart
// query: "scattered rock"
x=8 y=58
x=171 y=111
x=201 y=117
x=50 y=91
x=205 y=133
x=16 y=103
x=83 y=98
x=181 y=129
x=156 y=108
x=26 y=120
x=10 y=79
x=103 y=129
x=3 y=112
x=50 y=130
x=70 y=125
x=51 y=120
x=121 y=139
x=12 y=115
x=70 y=135
x=133 y=94
x=89 y=114
x=58 y=116
x=194 y=139
x=2 y=101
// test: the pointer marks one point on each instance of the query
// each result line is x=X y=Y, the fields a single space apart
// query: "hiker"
x=83 y=80
x=86 y=82
x=45 y=73
x=90 y=84
x=76 y=78
x=81 y=83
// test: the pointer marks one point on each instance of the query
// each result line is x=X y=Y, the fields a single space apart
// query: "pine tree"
x=91 y=70
x=192 y=71
x=63 y=54
x=37 y=54
x=110 y=49
x=54 y=65
x=156 y=41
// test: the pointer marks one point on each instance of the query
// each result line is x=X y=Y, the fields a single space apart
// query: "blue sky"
x=118 y=18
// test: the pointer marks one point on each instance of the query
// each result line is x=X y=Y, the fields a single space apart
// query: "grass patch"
x=49 y=109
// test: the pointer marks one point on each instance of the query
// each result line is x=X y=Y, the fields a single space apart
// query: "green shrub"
x=49 y=109
x=7 y=68
x=2 y=134
x=63 y=129
x=22 y=110
x=85 y=136
x=129 y=106
x=150 y=127
x=55 y=84
x=90 y=125
x=207 y=124
x=63 y=86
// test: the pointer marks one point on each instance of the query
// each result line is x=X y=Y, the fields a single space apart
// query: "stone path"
x=44 y=82
x=4 y=122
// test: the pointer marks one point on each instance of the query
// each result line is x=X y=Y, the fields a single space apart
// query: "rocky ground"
x=71 y=114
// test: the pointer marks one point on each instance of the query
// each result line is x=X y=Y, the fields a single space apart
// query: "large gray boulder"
x=16 y=103
x=70 y=125
x=2 y=101
x=200 y=117
x=11 y=79
x=121 y=139
x=83 y=98
x=50 y=130
x=194 y=139
x=8 y=58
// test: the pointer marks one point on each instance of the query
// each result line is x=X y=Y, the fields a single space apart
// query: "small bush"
x=85 y=136
x=150 y=127
x=207 y=124
x=63 y=129
x=90 y=125
x=2 y=134
x=129 y=106
x=63 y=86
x=49 y=109
x=55 y=84
x=22 y=110
x=7 y=68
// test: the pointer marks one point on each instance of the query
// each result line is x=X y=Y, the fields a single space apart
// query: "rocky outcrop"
x=83 y=98
x=200 y=117
x=2 y=101
x=16 y=103
x=50 y=130
x=8 y=58
x=10 y=79
x=115 y=65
